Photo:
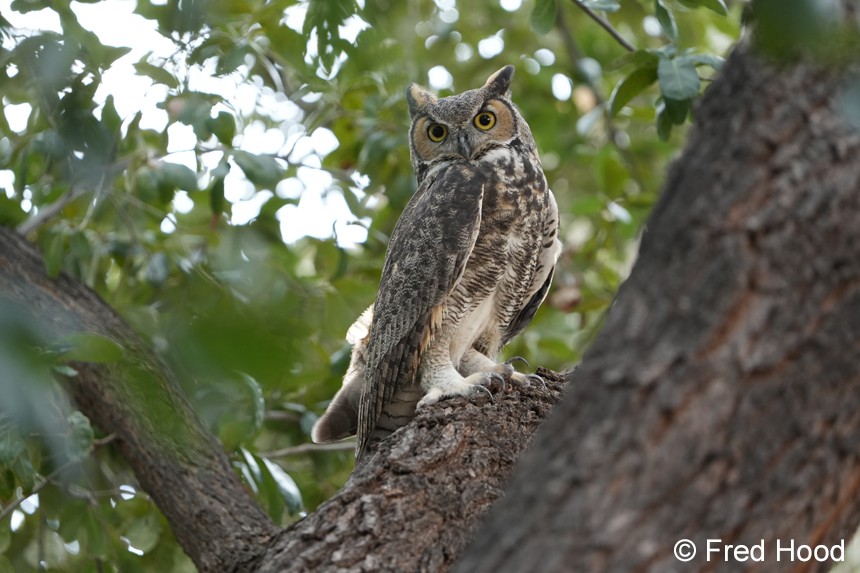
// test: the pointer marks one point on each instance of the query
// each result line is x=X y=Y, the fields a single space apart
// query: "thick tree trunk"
x=722 y=398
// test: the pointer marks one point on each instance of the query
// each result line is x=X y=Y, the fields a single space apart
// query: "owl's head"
x=465 y=126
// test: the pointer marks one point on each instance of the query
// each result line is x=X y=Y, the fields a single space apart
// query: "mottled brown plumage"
x=470 y=260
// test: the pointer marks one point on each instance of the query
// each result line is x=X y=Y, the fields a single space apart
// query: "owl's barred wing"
x=426 y=256
x=524 y=317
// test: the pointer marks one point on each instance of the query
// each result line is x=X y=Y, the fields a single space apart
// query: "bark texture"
x=176 y=460
x=722 y=398
x=416 y=501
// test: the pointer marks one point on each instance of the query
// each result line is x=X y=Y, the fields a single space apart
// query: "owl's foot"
x=450 y=388
x=518 y=379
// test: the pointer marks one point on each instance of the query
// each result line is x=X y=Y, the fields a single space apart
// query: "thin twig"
x=50 y=477
x=307 y=448
x=575 y=54
x=37 y=488
x=75 y=191
x=605 y=25
x=50 y=211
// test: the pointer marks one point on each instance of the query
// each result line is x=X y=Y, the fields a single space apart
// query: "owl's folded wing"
x=426 y=257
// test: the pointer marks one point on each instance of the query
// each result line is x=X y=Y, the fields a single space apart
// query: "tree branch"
x=348 y=446
x=605 y=25
x=418 y=497
x=176 y=460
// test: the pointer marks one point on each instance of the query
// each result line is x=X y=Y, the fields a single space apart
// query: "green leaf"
x=262 y=170
x=543 y=16
x=216 y=196
x=146 y=182
x=711 y=60
x=223 y=126
x=603 y=5
x=98 y=543
x=677 y=110
x=7 y=485
x=234 y=58
x=24 y=472
x=90 y=347
x=54 y=254
x=177 y=176
x=718 y=6
x=25 y=6
x=258 y=403
x=664 y=123
x=82 y=435
x=194 y=109
x=156 y=73
x=110 y=117
x=640 y=59
x=265 y=486
x=631 y=86
x=73 y=517
x=5 y=535
x=666 y=19
x=678 y=78
x=11 y=442
x=144 y=533
x=286 y=486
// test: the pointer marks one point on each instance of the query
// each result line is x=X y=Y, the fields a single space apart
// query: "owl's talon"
x=488 y=391
x=537 y=378
x=513 y=359
x=494 y=377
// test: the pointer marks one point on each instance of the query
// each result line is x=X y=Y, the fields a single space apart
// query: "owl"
x=468 y=264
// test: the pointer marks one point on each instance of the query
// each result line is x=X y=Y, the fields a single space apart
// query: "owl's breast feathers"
x=518 y=231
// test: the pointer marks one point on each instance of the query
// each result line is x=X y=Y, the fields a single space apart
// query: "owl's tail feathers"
x=340 y=419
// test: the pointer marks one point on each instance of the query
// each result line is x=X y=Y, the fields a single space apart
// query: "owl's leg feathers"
x=445 y=382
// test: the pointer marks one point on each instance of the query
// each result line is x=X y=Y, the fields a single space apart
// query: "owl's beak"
x=463 y=146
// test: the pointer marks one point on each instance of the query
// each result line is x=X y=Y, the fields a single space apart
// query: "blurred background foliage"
x=226 y=173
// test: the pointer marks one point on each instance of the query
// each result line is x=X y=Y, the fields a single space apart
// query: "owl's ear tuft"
x=417 y=98
x=499 y=83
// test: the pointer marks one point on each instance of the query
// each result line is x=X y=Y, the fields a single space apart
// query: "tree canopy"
x=178 y=179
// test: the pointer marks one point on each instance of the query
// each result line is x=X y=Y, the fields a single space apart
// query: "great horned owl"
x=470 y=260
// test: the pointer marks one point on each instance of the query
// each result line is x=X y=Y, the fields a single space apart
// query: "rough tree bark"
x=722 y=398
x=416 y=502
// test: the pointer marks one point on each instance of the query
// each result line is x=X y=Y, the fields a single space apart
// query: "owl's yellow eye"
x=485 y=120
x=437 y=132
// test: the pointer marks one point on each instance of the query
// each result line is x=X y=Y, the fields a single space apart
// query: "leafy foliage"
x=177 y=179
